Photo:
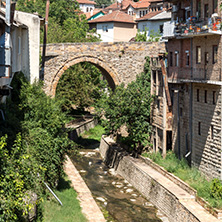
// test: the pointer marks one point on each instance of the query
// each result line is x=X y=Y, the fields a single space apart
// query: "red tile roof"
x=115 y=16
x=120 y=6
x=140 y=4
x=86 y=2
x=95 y=11
x=149 y=15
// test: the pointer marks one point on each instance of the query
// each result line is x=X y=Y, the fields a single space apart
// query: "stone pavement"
x=89 y=207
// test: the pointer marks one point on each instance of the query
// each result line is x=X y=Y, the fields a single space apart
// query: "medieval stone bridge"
x=119 y=62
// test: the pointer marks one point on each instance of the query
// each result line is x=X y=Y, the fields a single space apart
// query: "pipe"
x=3 y=116
x=53 y=194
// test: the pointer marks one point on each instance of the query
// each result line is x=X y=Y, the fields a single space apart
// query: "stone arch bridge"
x=119 y=62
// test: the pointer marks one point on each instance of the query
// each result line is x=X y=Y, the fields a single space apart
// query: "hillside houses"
x=147 y=15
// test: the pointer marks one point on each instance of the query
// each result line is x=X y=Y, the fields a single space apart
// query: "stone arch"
x=107 y=70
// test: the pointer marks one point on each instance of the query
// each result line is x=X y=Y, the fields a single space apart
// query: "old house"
x=153 y=22
x=115 y=27
x=86 y=5
x=194 y=80
x=24 y=45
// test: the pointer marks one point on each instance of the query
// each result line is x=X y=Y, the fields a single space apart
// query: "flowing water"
x=117 y=198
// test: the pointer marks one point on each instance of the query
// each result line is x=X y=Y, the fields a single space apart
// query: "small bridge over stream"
x=118 y=62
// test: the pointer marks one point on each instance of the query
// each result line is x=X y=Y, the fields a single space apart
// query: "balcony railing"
x=193 y=26
x=199 y=74
x=198 y=27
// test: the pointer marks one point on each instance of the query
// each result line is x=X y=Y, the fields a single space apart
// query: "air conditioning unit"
x=174 y=8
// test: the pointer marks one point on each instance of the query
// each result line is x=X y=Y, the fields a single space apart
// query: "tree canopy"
x=65 y=22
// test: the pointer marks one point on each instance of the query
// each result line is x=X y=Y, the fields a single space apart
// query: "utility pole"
x=45 y=39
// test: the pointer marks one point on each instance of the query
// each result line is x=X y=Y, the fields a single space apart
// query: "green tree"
x=130 y=106
x=81 y=85
x=65 y=23
x=143 y=36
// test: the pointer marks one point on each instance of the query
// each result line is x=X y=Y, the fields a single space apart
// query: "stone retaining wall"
x=148 y=186
x=81 y=127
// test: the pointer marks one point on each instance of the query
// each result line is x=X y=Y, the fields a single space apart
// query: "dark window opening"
x=171 y=59
x=214 y=97
x=206 y=11
x=198 y=95
x=187 y=59
x=212 y=131
x=199 y=128
x=205 y=96
x=215 y=49
x=206 y=58
x=215 y=2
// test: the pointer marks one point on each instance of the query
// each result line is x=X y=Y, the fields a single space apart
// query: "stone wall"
x=119 y=62
x=147 y=185
x=81 y=127
x=206 y=152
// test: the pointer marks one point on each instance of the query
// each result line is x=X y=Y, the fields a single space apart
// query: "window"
x=198 y=95
x=198 y=7
x=161 y=29
x=141 y=14
x=87 y=9
x=154 y=77
x=144 y=28
x=206 y=58
x=171 y=59
x=187 y=58
x=214 y=97
x=199 y=128
x=198 y=54
x=215 y=2
x=105 y=28
x=205 y=96
x=181 y=112
x=206 y=11
x=215 y=49
x=212 y=132
x=176 y=58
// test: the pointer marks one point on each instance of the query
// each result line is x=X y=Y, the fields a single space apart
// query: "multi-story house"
x=23 y=47
x=194 y=80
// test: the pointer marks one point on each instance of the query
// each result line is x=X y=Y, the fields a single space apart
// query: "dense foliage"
x=130 y=107
x=142 y=36
x=65 y=22
x=37 y=154
x=81 y=85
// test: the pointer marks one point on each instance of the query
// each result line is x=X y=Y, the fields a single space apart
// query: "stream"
x=117 y=198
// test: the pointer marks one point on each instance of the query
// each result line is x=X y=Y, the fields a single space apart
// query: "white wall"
x=106 y=36
x=150 y=25
x=30 y=44
x=84 y=7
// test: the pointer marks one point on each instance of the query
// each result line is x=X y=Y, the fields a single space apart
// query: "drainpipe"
x=191 y=100
x=178 y=123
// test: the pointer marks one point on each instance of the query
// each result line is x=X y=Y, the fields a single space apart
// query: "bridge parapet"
x=119 y=62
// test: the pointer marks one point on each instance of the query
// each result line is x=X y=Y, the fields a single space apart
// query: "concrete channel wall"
x=175 y=207
x=81 y=127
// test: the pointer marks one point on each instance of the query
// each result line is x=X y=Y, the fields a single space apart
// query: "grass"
x=70 y=211
x=190 y=175
x=94 y=133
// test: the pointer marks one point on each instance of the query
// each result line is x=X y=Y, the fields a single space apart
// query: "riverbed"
x=117 y=198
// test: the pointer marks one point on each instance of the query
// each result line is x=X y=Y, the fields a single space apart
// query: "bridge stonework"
x=118 y=62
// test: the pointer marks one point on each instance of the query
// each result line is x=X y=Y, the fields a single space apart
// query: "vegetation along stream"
x=117 y=198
